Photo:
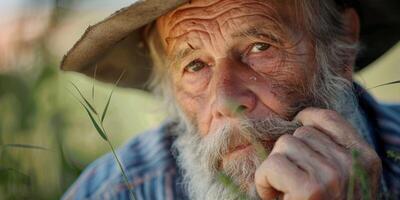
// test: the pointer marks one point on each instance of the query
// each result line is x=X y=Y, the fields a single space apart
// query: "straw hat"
x=115 y=44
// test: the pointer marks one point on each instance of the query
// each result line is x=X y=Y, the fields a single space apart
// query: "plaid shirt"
x=153 y=172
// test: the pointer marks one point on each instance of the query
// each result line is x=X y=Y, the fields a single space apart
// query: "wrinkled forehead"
x=221 y=17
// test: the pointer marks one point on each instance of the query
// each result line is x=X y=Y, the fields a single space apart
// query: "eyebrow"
x=255 y=32
x=184 y=53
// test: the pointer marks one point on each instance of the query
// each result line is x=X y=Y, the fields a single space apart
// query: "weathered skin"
x=257 y=81
x=260 y=75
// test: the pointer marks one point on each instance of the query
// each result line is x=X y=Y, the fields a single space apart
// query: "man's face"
x=237 y=58
x=240 y=72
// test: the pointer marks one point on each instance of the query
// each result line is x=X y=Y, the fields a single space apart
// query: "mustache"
x=270 y=128
x=213 y=147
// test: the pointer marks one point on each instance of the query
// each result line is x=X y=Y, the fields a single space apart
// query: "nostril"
x=226 y=106
x=241 y=109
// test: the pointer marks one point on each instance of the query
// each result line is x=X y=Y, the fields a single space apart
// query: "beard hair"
x=200 y=157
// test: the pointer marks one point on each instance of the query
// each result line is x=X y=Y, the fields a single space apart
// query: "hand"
x=316 y=162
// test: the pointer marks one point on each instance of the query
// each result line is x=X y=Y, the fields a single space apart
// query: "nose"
x=232 y=96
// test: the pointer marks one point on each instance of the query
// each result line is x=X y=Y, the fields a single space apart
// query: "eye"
x=259 y=47
x=195 y=66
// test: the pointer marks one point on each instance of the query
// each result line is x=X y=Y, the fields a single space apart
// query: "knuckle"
x=303 y=132
x=332 y=174
x=273 y=161
x=282 y=143
x=330 y=115
x=332 y=178
x=344 y=158
x=284 y=139
x=259 y=177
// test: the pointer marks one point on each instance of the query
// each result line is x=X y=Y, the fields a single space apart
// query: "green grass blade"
x=260 y=150
x=230 y=184
x=24 y=146
x=83 y=97
x=109 y=98
x=95 y=124
x=352 y=179
x=393 y=155
x=103 y=116
x=364 y=182
x=385 y=84
x=4 y=172
x=132 y=196
x=102 y=132
x=358 y=176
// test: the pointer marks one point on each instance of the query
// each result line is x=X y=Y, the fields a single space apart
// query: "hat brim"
x=114 y=45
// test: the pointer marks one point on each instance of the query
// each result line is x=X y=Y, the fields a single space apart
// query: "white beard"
x=198 y=157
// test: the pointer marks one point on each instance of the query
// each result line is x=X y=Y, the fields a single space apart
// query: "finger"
x=277 y=174
x=324 y=145
x=332 y=124
x=331 y=151
x=340 y=131
x=319 y=169
x=298 y=152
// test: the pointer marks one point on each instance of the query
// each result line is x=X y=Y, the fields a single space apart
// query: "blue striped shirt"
x=152 y=170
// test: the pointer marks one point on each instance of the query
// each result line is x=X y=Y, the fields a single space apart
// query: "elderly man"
x=260 y=97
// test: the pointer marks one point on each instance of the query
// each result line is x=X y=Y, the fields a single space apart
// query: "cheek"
x=194 y=103
x=195 y=82
x=281 y=96
x=282 y=87
x=264 y=66
x=287 y=72
x=191 y=103
x=265 y=62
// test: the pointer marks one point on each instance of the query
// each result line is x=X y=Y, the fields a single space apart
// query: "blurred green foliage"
x=32 y=127
x=46 y=139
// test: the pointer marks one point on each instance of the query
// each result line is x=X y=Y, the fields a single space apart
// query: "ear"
x=351 y=24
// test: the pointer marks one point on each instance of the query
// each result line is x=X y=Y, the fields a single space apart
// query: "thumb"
x=264 y=190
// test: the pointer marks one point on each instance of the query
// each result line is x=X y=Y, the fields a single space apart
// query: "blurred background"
x=46 y=138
